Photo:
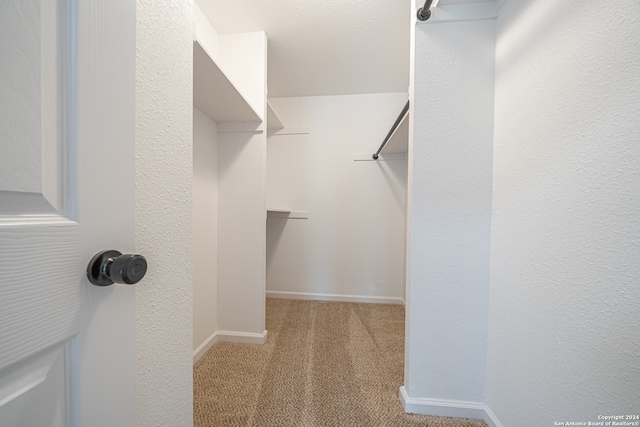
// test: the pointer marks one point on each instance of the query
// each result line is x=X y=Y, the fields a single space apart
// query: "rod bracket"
x=424 y=12
x=423 y=16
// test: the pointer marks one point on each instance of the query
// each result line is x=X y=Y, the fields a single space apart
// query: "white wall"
x=241 y=233
x=242 y=205
x=449 y=211
x=205 y=33
x=235 y=309
x=164 y=221
x=353 y=240
x=565 y=270
x=205 y=226
x=242 y=55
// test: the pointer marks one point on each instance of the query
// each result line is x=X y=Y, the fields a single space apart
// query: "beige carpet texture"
x=324 y=364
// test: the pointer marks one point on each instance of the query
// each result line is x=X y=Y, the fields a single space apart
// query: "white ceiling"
x=325 y=47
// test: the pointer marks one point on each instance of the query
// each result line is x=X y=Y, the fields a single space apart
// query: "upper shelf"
x=214 y=93
x=286 y=214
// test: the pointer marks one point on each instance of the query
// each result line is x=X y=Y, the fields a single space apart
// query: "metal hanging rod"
x=404 y=111
x=424 y=12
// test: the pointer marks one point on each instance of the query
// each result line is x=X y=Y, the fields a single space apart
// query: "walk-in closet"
x=289 y=201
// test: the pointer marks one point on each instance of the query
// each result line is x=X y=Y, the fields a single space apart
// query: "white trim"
x=242 y=337
x=204 y=347
x=334 y=297
x=441 y=407
x=227 y=336
x=448 y=408
x=490 y=418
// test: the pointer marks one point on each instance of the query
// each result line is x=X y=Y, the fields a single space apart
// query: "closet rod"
x=393 y=129
x=424 y=12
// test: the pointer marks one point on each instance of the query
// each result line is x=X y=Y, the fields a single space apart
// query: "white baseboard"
x=491 y=419
x=227 y=336
x=204 y=347
x=241 y=337
x=448 y=408
x=333 y=297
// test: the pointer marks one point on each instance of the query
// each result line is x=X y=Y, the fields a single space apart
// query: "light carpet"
x=324 y=364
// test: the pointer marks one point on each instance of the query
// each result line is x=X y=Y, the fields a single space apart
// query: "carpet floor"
x=324 y=364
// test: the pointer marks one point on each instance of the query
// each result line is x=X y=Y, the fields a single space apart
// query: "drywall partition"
x=205 y=237
x=242 y=212
x=449 y=209
x=240 y=53
x=241 y=236
x=205 y=33
x=164 y=227
x=349 y=243
x=565 y=288
x=230 y=88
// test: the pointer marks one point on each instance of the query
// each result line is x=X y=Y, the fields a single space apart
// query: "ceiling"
x=325 y=47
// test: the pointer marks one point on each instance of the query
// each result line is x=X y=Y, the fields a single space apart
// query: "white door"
x=67 y=128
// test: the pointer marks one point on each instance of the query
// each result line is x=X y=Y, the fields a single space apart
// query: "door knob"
x=109 y=267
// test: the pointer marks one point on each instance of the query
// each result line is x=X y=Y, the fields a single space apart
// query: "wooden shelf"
x=214 y=93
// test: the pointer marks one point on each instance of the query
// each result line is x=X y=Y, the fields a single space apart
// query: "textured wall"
x=164 y=211
x=205 y=226
x=449 y=211
x=565 y=270
x=353 y=241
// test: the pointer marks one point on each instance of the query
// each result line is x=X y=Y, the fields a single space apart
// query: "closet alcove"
x=350 y=244
x=288 y=202
x=229 y=150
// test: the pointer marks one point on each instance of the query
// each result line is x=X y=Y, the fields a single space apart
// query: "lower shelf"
x=287 y=214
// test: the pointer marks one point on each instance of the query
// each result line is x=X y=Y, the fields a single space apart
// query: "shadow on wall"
x=397 y=169
x=275 y=230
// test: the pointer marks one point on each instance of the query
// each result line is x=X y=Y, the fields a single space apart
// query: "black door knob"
x=109 y=267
